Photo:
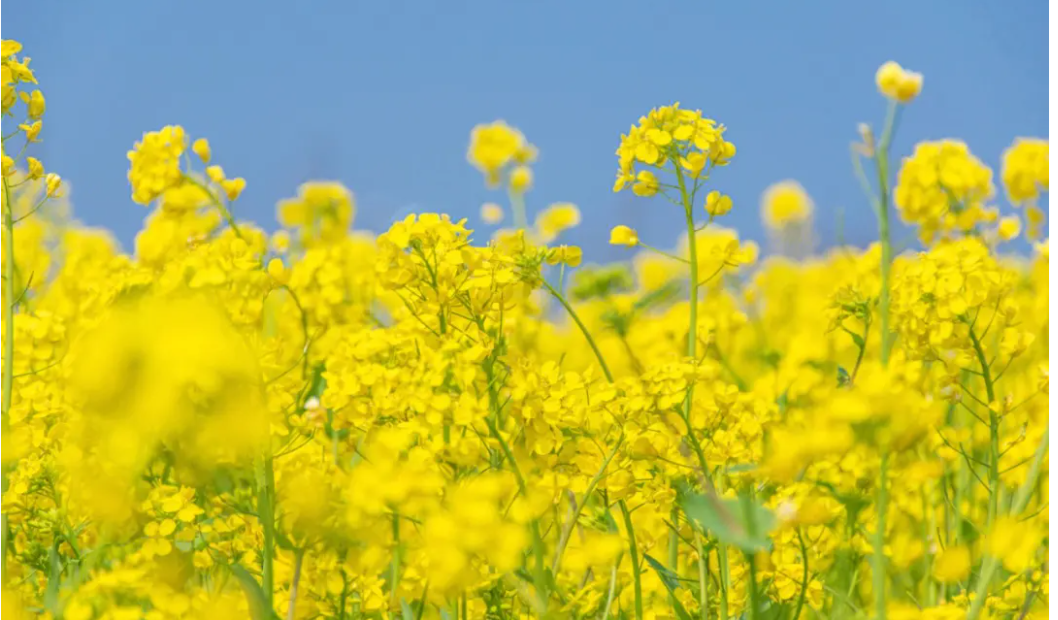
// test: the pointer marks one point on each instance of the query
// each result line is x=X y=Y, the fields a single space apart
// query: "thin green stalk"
x=612 y=591
x=583 y=328
x=634 y=553
x=703 y=577
x=882 y=507
x=266 y=486
x=1021 y=500
x=804 y=575
x=881 y=158
x=567 y=530
x=993 y=430
x=521 y=222
x=9 y=349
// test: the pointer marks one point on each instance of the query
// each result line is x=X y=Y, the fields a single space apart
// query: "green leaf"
x=672 y=583
x=405 y=610
x=726 y=520
x=254 y=594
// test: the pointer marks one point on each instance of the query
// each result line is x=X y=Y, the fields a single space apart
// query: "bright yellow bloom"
x=717 y=204
x=623 y=235
x=521 y=179
x=898 y=83
x=1026 y=169
x=557 y=218
x=201 y=148
x=155 y=163
x=1009 y=227
x=785 y=203
x=566 y=254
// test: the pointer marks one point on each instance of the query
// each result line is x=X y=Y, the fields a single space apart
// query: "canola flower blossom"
x=322 y=423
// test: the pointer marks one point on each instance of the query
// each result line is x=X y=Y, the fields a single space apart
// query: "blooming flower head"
x=495 y=146
x=898 y=83
x=785 y=203
x=684 y=138
x=623 y=235
x=555 y=219
x=1026 y=169
x=943 y=188
x=155 y=163
x=491 y=213
x=323 y=211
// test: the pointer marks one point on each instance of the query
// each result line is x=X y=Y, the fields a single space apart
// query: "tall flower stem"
x=9 y=348
x=881 y=158
x=583 y=328
x=634 y=553
x=993 y=429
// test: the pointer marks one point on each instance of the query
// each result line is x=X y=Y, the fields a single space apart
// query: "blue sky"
x=382 y=95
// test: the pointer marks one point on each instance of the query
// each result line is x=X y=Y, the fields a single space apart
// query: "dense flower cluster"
x=319 y=423
x=943 y=189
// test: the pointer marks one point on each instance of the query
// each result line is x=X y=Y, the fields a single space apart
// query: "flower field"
x=428 y=423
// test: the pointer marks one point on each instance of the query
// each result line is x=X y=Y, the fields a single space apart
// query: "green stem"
x=751 y=557
x=9 y=351
x=879 y=538
x=521 y=222
x=583 y=328
x=881 y=159
x=266 y=485
x=804 y=576
x=612 y=592
x=993 y=430
x=1021 y=500
x=394 y=566
x=567 y=530
x=634 y=553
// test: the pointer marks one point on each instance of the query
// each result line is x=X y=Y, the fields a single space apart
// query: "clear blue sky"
x=382 y=95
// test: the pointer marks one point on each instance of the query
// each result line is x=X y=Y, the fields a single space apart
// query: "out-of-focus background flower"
x=382 y=96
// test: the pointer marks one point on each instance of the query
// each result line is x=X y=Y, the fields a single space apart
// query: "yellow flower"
x=233 y=187
x=278 y=271
x=717 y=204
x=35 y=104
x=623 y=235
x=897 y=83
x=1015 y=543
x=567 y=254
x=521 y=179
x=491 y=213
x=36 y=169
x=785 y=203
x=155 y=163
x=952 y=565
x=53 y=183
x=1009 y=227
x=555 y=219
x=1026 y=169
x=32 y=131
x=201 y=148
x=215 y=173
x=493 y=147
x=646 y=184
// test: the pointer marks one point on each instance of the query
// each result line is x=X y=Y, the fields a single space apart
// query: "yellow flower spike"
x=201 y=148
x=521 y=179
x=717 y=204
x=623 y=235
x=491 y=213
x=215 y=174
